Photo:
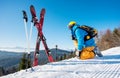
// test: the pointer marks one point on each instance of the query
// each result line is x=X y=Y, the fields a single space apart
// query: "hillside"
x=100 y=67
x=12 y=57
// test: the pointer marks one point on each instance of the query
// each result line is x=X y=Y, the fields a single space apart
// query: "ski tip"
x=43 y=8
x=43 y=11
x=32 y=10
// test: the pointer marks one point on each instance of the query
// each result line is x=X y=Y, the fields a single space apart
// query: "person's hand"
x=77 y=53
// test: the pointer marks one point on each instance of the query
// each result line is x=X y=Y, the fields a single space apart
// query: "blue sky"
x=101 y=14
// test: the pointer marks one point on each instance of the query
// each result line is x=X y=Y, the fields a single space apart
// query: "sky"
x=100 y=14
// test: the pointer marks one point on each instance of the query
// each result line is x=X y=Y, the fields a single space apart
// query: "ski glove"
x=77 y=53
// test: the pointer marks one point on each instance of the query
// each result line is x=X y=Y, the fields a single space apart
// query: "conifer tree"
x=24 y=60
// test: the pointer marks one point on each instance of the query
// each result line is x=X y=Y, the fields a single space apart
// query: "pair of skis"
x=40 y=36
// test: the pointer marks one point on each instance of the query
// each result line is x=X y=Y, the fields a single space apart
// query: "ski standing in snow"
x=40 y=37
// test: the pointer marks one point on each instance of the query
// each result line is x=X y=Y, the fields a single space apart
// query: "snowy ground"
x=100 y=67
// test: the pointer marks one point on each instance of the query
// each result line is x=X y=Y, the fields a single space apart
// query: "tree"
x=116 y=34
x=24 y=62
x=61 y=57
x=65 y=56
x=109 y=39
x=2 y=71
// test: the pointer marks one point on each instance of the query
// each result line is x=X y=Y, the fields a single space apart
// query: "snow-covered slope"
x=100 y=67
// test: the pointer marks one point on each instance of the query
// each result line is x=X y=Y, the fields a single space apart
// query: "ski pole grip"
x=25 y=16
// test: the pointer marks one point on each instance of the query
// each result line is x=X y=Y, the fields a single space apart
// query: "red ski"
x=40 y=37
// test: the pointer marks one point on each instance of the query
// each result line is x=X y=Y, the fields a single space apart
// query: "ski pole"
x=26 y=33
x=25 y=24
x=28 y=39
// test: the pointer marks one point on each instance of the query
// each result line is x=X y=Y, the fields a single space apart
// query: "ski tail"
x=36 y=53
x=35 y=62
x=50 y=58
x=48 y=53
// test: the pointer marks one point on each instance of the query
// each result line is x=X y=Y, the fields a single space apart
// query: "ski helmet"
x=71 y=24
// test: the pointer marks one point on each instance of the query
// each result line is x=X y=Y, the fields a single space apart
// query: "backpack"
x=90 y=30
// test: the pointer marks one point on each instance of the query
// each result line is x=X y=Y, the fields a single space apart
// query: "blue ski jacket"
x=79 y=34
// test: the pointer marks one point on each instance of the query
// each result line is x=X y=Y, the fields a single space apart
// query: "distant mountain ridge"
x=15 y=49
x=10 y=58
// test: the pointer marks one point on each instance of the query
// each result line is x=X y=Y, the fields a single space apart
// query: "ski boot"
x=97 y=52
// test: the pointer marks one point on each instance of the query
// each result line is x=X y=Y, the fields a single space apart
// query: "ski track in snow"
x=100 y=67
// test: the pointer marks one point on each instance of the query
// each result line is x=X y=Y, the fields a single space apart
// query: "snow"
x=99 y=67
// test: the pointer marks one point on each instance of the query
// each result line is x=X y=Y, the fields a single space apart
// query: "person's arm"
x=80 y=38
x=75 y=42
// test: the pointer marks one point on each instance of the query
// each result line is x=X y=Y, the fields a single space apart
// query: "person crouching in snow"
x=83 y=38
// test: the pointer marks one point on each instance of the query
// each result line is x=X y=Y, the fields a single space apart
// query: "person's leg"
x=97 y=51
x=90 y=43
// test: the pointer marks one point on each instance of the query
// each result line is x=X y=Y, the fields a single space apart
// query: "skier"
x=85 y=44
